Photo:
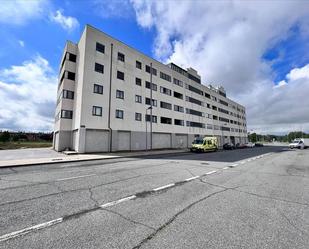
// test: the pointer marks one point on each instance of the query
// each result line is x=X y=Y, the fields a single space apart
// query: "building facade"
x=112 y=98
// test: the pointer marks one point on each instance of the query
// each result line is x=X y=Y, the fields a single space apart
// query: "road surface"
x=250 y=198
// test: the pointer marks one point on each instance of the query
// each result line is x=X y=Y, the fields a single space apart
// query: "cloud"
x=68 y=23
x=21 y=43
x=28 y=94
x=19 y=12
x=226 y=41
x=114 y=8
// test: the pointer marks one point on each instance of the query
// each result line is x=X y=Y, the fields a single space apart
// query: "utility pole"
x=150 y=106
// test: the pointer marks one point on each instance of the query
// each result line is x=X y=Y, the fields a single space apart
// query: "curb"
x=59 y=160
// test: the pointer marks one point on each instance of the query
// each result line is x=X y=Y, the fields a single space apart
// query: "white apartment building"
x=104 y=101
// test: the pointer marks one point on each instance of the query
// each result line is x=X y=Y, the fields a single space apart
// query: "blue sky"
x=256 y=50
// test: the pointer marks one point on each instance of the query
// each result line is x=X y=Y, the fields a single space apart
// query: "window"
x=179 y=122
x=178 y=82
x=154 y=71
x=165 y=120
x=138 y=116
x=154 y=86
x=224 y=119
x=96 y=111
x=165 y=105
x=154 y=118
x=223 y=110
x=120 y=75
x=99 y=68
x=214 y=108
x=119 y=94
x=138 y=65
x=215 y=117
x=138 y=81
x=178 y=95
x=208 y=105
x=68 y=56
x=66 y=94
x=100 y=48
x=165 y=91
x=138 y=99
x=191 y=77
x=223 y=102
x=194 y=89
x=72 y=57
x=66 y=114
x=207 y=95
x=195 y=124
x=154 y=102
x=178 y=108
x=193 y=100
x=165 y=77
x=194 y=112
x=119 y=114
x=98 y=89
x=71 y=76
x=121 y=56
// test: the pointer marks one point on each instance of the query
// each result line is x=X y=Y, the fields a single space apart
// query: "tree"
x=5 y=136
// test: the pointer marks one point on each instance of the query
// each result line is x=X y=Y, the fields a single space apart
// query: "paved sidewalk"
x=27 y=157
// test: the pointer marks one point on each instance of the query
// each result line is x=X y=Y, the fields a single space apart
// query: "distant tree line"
x=254 y=137
x=7 y=136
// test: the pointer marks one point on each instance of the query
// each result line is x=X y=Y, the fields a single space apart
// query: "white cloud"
x=28 y=94
x=20 y=11
x=68 y=23
x=225 y=41
x=21 y=43
x=114 y=8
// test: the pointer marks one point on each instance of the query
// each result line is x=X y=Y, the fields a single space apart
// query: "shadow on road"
x=221 y=156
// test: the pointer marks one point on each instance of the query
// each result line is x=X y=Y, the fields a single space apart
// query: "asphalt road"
x=250 y=198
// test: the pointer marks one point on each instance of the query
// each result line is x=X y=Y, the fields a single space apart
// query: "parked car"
x=204 y=144
x=240 y=146
x=228 y=146
x=249 y=145
x=259 y=145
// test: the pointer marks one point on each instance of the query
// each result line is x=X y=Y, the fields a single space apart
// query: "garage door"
x=161 y=140
x=181 y=141
x=97 y=141
x=124 y=140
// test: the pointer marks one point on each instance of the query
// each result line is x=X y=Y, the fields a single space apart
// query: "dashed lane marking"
x=30 y=229
x=192 y=178
x=113 y=203
x=164 y=187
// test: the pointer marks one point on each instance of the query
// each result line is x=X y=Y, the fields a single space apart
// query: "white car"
x=249 y=145
x=298 y=143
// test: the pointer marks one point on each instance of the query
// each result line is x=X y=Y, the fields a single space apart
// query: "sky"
x=257 y=50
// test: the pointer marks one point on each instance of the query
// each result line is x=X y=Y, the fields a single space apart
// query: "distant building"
x=104 y=101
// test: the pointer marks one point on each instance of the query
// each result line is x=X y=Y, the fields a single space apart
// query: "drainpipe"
x=150 y=106
x=110 y=101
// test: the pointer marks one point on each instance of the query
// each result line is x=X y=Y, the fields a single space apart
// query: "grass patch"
x=24 y=145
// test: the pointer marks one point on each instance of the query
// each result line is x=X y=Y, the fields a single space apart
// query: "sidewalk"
x=28 y=157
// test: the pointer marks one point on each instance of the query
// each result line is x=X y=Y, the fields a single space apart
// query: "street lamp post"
x=222 y=134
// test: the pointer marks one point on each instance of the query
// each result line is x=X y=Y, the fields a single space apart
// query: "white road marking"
x=225 y=167
x=164 y=187
x=243 y=162
x=192 y=178
x=30 y=229
x=113 y=203
x=234 y=165
x=74 y=177
x=211 y=172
